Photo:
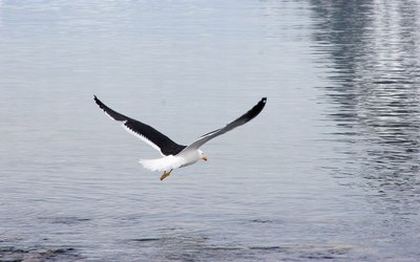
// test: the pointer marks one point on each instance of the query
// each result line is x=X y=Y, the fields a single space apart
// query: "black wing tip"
x=108 y=111
x=99 y=102
x=96 y=99
x=261 y=104
x=256 y=109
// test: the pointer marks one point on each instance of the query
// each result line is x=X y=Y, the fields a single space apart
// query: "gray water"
x=328 y=171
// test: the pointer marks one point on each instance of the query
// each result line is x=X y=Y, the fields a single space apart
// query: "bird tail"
x=161 y=164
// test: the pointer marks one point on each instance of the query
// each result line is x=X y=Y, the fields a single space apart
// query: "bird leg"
x=165 y=175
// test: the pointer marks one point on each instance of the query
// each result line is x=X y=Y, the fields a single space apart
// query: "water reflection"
x=370 y=50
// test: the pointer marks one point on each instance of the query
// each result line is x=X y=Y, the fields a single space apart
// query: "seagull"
x=174 y=155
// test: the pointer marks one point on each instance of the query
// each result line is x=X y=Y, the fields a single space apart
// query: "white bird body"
x=168 y=163
x=174 y=155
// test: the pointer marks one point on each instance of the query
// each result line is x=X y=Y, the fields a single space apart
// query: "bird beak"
x=204 y=158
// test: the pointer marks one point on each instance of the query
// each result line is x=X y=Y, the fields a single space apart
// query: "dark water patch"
x=323 y=252
x=11 y=249
x=217 y=248
x=273 y=248
x=144 y=239
x=319 y=257
x=70 y=220
x=262 y=221
x=389 y=82
x=134 y=217
x=10 y=253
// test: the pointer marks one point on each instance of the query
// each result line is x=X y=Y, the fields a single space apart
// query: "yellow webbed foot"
x=165 y=175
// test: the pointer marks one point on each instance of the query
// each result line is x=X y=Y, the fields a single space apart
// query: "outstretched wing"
x=253 y=112
x=145 y=132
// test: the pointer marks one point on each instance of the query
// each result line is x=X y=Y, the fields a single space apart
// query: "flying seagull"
x=174 y=155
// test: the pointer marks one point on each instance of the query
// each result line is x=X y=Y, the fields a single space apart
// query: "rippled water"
x=329 y=170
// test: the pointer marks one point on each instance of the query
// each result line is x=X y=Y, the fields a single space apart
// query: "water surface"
x=329 y=170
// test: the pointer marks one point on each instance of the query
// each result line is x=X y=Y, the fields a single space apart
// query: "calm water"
x=329 y=171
